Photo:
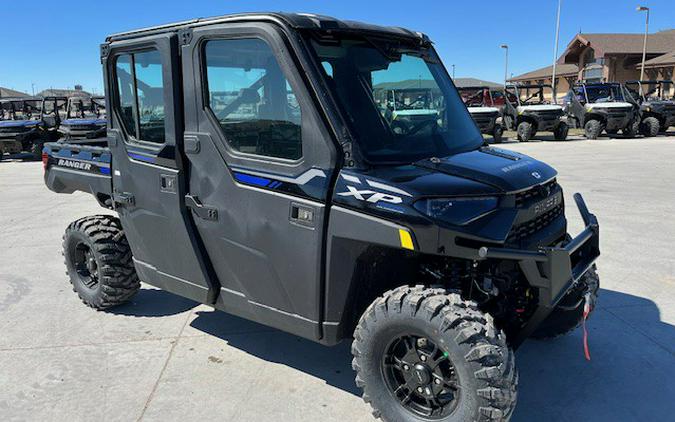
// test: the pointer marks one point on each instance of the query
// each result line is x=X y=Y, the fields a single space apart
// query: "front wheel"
x=497 y=134
x=525 y=131
x=650 y=127
x=632 y=130
x=424 y=354
x=561 y=131
x=592 y=129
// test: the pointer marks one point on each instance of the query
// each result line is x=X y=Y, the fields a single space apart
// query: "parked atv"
x=482 y=108
x=20 y=124
x=85 y=118
x=599 y=107
x=407 y=107
x=532 y=108
x=254 y=167
x=657 y=105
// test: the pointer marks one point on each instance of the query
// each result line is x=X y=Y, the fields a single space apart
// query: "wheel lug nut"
x=406 y=368
x=420 y=390
x=424 y=358
x=437 y=381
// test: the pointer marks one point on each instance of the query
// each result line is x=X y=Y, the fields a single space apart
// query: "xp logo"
x=371 y=196
x=536 y=175
x=74 y=164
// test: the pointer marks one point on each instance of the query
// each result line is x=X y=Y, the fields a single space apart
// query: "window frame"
x=116 y=99
x=206 y=97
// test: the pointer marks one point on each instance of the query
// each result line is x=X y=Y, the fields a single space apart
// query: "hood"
x=84 y=122
x=19 y=123
x=614 y=104
x=505 y=170
x=540 y=107
x=479 y=110
x=415 y=112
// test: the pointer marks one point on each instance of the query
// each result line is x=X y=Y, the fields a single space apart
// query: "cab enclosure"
x=531 y=108
x=656 y=100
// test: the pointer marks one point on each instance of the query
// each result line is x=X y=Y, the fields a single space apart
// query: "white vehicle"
x=532 y=108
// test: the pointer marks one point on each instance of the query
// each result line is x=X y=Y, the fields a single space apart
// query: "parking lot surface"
x=162 y=357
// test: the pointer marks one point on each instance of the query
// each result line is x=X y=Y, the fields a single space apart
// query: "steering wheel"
x=419 y=126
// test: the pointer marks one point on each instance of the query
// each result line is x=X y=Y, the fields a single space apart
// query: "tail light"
x=45 y=160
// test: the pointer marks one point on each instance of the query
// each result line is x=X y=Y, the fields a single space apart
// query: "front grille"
x=524 y=230
x=537 y=192
x=81 y=127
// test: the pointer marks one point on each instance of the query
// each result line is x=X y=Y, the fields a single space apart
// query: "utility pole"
x=453 y=72
x=555 y=51
x=644 y=45
x=506 y=63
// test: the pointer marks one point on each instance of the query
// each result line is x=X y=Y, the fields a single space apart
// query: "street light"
x=555 y=50
x=506 y=63
x=644 y=45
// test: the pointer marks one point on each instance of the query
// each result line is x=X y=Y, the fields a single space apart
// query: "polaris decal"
x=370 y=195
x=79 y=165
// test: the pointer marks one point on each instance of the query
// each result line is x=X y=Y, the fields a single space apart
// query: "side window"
x=253 y=102
x=140 y=98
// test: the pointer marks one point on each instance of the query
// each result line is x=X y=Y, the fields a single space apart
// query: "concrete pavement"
x=162 y=357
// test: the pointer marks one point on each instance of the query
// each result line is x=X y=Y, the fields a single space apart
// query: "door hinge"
x=201 y=210
x=124 y=198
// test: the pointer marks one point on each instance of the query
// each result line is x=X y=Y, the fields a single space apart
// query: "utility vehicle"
x=405 y=108
x=656 y=102
x=481 y=105
x=20 y=124
x=85 y=118
x=531 y=108
x=599 y=107
x=252 y=169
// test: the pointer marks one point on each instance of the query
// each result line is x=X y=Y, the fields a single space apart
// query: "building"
x=10 y=93
x=608 y=57
x=53 y=92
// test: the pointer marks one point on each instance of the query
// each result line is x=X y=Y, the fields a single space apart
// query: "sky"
x=56 y=44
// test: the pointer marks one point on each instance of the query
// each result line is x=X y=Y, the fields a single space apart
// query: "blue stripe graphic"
x=250 y=179
x=141 y=157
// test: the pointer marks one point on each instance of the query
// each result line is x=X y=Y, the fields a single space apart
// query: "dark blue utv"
x=256 y=164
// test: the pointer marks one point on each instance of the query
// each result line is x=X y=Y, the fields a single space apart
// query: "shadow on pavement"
x=629 y=377
x=154 y=303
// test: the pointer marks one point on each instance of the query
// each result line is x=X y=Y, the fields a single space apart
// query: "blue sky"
x=55 y=44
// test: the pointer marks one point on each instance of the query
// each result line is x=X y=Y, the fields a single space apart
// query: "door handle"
x=201 y=210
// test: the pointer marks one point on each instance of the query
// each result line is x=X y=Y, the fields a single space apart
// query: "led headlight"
x=457 y=211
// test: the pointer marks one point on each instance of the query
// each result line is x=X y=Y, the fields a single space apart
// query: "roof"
x=294 y=20
x=10 y=93
x=564 y=69
x=63 y=93
x=604 y=44
x=473 y=82
x=665 y=59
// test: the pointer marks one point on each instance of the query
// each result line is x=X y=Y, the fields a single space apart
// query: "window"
x=253 y=102
x=141 y=95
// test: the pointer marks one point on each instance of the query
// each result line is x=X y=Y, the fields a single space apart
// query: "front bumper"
x=553 y=271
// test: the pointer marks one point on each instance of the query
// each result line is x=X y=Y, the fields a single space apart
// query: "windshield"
x=531 y=95
x=651 y=91
x=601 y=93
x=85 y=108
x=20 y=110
x=475 y=97
x=399 y=100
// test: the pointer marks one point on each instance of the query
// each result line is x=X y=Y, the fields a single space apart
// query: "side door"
x=144 y=134
x=261 y=164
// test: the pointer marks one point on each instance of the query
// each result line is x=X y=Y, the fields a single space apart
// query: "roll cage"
x=645 y=89
x=529 y=94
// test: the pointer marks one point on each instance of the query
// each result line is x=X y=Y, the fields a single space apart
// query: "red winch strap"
x=587 y=311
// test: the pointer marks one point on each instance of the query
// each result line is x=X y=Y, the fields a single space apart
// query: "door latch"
x=302 y=215
x=201 y=210
x=123 y=198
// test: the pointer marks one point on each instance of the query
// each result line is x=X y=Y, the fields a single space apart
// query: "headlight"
x=457 y=211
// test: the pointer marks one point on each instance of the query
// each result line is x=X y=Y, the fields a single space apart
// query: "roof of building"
x=563 y=69
x=464 y=82
x=665 y=59
x=10 y=93
x=603 y=44
x=64 y=93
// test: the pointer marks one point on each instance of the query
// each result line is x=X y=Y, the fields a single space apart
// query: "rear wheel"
x=650 y=127
x=569 y=314
x=525 y=131
x=497 y=134
x=561 y=131
x=423 y=354
x=99 y=261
